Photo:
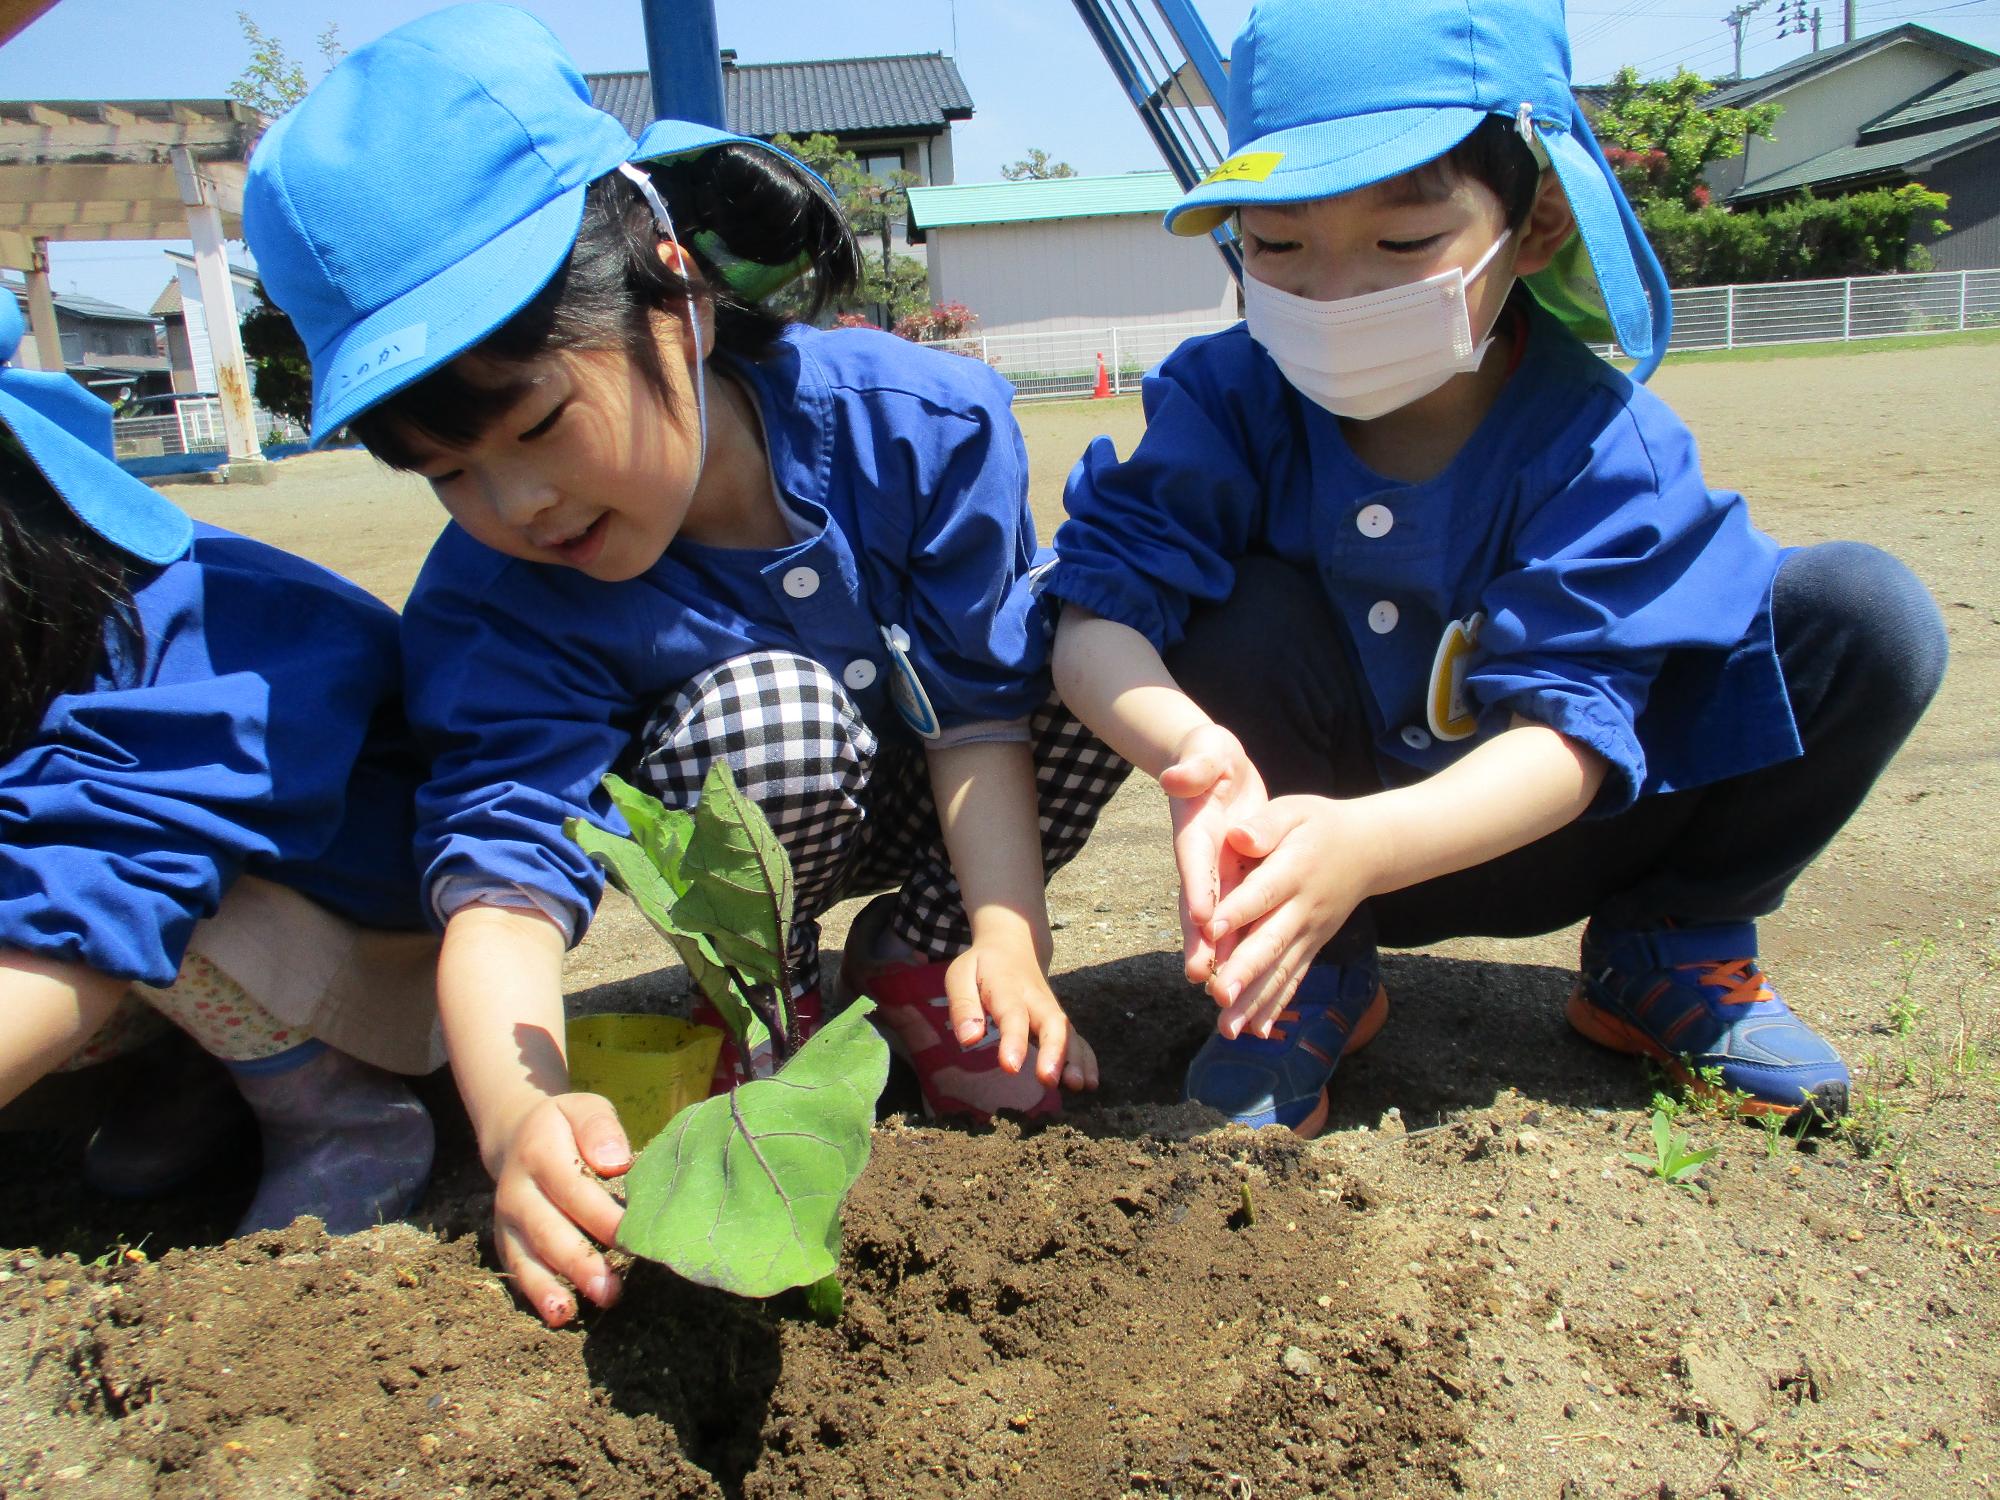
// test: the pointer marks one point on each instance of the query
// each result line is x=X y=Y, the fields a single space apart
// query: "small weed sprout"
x=1904 y=1009
x=1671 y=1161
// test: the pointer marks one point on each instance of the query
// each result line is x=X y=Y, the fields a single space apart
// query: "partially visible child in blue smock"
x=682 y=530
x=206 y=797
x=1426 y=617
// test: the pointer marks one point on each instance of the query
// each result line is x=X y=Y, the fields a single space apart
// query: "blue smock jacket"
x=528 y=681
x=261 y=733
x=1625 y=603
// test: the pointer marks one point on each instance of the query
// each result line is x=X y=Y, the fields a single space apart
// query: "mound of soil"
x=1110 y=1316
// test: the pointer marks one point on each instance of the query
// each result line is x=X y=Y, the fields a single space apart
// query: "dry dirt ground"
x=1463 y=1289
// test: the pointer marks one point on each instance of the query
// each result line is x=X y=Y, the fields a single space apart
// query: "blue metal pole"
x=685 y=59
x=1189 y=30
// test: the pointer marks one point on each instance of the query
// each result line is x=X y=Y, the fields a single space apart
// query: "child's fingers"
x=1241 y=983
x=1080 y=1071
x=1255 y=897
x=961 y=992
x=534 y=1282
x=550 y=1171
x=1011 y=1015
x=1197 y=860
x=1197 y=956
x=1258 y=1005
x=1052 y=1054
x=1256 y=835
x=600 y=1139
x=1192 y=777
x=548 y=1245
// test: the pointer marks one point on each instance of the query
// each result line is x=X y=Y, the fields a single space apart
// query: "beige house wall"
x=1056 y=274
x=1824 y=113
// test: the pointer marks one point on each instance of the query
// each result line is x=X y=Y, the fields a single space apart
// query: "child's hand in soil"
x=545 y=1203
x=1214 y=787
x=1308 y=866
x=1007 y=983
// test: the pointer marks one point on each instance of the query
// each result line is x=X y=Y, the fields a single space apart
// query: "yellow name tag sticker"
x=1452 y=715
x=1251 y=166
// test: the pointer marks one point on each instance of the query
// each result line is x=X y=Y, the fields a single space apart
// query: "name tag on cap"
x=1248 y=166
x=906 y=690
x=383 y=355
x=1452 y=715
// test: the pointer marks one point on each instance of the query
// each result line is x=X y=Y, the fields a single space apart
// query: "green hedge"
x=1805 y=239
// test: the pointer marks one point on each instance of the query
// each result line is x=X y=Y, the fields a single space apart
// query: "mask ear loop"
x=664 y=222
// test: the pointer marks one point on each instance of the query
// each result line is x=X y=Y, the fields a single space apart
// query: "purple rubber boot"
x=188 y=1120
x=343 y=1141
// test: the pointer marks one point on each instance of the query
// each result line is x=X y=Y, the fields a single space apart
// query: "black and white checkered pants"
x=854 y=814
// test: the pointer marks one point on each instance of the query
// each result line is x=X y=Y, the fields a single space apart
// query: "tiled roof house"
x=891 y=112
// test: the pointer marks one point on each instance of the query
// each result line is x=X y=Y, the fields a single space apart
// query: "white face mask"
x=664 y=222
x=1365 y=356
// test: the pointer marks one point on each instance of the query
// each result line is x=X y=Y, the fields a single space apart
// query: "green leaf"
x=739 y=882
x=629 y=866
x=661 y=831
x=1682 y=1164
x=825 y=1299
x=743 y=1191
x=1663 y=1135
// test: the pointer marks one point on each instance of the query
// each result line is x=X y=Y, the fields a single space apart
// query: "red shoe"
x=807 y=1014
x=914 y=1017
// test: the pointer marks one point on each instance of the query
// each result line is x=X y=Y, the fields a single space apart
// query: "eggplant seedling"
x=742 y=1191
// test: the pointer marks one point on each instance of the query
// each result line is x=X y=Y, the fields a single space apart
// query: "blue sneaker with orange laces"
x=1281 y=1080
x=1694 y=1000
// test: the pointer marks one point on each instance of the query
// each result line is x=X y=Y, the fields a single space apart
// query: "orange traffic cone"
x=1103 y=381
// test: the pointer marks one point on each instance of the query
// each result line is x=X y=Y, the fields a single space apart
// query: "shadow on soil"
x=1460 y=1033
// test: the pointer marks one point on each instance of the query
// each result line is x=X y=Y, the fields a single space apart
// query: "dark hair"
x=1495 y=155
x=65 y=599
x=750 y=203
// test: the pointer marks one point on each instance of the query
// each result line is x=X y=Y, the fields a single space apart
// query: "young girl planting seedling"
x=682 y=532
x=206 y=793
x=1426 y=617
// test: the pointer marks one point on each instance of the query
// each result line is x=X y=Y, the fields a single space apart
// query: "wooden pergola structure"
x=132 y=169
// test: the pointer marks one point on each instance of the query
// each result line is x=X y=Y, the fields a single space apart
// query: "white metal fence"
x=1705 y=317
x=194 y=426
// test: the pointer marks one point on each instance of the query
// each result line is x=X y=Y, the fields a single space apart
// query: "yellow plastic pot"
x=649 y=1067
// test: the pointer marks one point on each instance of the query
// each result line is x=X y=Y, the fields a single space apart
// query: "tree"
x=273 y=81
x=280 y=372
x=1036 y=167
x=873 y=206
x=1660 y=137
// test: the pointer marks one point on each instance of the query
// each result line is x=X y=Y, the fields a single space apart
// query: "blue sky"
x=1035 y=77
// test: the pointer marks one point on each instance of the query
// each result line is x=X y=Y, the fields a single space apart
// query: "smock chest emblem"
x=906 y=689
x=1452 y=715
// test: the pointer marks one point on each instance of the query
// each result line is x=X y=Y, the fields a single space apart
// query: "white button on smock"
x=1375 y=520
x=860 y=674
x=1415 y=738
x=801 y=583
x=1383 y=617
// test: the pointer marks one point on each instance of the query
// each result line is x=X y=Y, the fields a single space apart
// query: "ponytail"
x=749 y=217
x=65 y=600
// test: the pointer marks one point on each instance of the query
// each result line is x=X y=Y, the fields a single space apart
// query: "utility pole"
x=1847 y=21
x=1815 y=28
x=1739 y=18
